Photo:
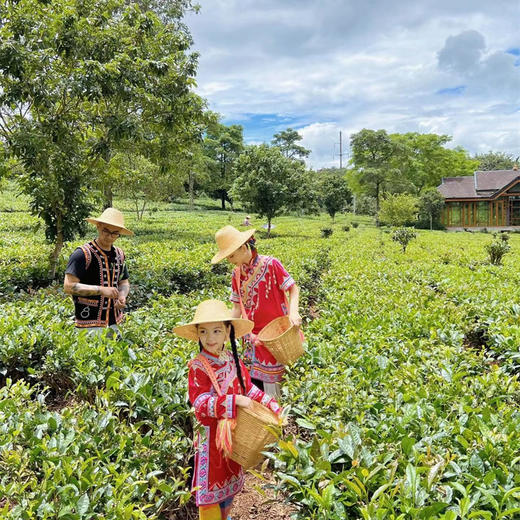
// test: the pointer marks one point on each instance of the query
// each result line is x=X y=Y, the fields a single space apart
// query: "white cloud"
x=346 y=65
x=462 y=53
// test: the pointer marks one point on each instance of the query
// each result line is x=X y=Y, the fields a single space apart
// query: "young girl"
x=218 y=383
x=258 y=292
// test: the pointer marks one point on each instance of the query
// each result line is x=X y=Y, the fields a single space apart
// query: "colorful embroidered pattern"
x=217 y=478
x=263 y=284
x=86 y=313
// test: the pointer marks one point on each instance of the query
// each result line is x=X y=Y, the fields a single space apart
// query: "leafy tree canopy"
x=269 y=183
x=431 y=203
x=495 y=161
x=81 y=79
x=222 y=146
x=287 y=141
x=333 y=190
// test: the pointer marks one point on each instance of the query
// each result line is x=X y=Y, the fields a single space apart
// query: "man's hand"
x=109 y=292
x=120 y=303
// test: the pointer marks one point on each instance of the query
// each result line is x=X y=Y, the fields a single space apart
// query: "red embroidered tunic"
x=216 y=478
x=263 y=283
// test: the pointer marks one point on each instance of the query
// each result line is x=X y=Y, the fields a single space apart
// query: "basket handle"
x=225 y=427
x=211 y=373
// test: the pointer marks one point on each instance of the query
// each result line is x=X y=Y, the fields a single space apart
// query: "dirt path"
x=251 y=504
x=255 y=502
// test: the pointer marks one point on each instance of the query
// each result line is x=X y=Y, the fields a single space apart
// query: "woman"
x=259 y=290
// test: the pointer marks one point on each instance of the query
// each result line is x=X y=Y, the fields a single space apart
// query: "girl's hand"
x=243 y=401
x=295 y=318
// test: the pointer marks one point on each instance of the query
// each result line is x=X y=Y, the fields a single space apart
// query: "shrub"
x=346 y=228
x=355 y=224
x=403 y=236
x=498 y=248
x=398 y=210
x=326 y=232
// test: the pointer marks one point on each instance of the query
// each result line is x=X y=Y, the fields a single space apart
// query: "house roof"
x=495 y=179
x=480 y=185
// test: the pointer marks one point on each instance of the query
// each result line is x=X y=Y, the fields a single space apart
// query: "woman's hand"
x=295 y=318
x=243 y=401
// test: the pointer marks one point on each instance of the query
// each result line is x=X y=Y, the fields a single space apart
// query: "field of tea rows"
x=405 y=406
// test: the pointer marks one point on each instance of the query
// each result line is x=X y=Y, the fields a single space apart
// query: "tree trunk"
x=142 y=209
x=223 y=200
x=377 y=204
x=109 y=197
x=268 y=227
x=431 y=221
x=58 y=246
x=191 y=181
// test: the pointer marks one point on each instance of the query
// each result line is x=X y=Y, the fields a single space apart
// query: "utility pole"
x=340 y=151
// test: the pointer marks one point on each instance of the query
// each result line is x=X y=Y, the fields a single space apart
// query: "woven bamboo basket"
x=283 y=340
x=250 y=435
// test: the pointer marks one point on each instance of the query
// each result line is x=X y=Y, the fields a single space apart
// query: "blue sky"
x=321 y=67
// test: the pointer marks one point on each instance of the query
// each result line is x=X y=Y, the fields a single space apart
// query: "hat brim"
x=244 y=237
x=122 y=230
x=189 y=331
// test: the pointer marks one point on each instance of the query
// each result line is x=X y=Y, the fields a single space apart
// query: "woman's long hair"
x=235 y=356
x=251 y=243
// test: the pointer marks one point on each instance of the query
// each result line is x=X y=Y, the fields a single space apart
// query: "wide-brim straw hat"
x=210 y=311
x=113 y=217
x=229 y=239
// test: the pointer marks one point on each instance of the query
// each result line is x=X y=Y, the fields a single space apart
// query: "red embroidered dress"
x=263 y=283
x=216 y=477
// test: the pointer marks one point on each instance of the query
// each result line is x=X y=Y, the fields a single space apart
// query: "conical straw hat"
x=209 y=311
x=229 y=239
x=113 y=217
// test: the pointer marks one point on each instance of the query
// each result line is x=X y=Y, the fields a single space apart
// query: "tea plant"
x=404 y=406
x=403 y=236
x=498 y=248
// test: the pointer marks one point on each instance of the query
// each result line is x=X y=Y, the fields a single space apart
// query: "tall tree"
x=495 y=161
x=141 y=181
x=287 y=141
x=431 y=203
x=423 y=160
x=372 y=151
x=269 y=183
x=420 y=158
x=222 y=146
x=334 y=194
x=170 y=11
x=80 y=79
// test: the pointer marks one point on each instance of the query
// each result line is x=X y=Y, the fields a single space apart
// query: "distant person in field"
x=259 y=289
x=247 y=221
x=97 y=276
x=218 y=384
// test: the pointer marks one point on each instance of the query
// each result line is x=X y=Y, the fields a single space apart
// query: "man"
x=97 y=276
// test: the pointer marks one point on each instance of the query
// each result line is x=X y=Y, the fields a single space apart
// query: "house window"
x=483 y=214
x=454 y=212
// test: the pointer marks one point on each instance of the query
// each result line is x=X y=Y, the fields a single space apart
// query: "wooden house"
x=482 y=200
